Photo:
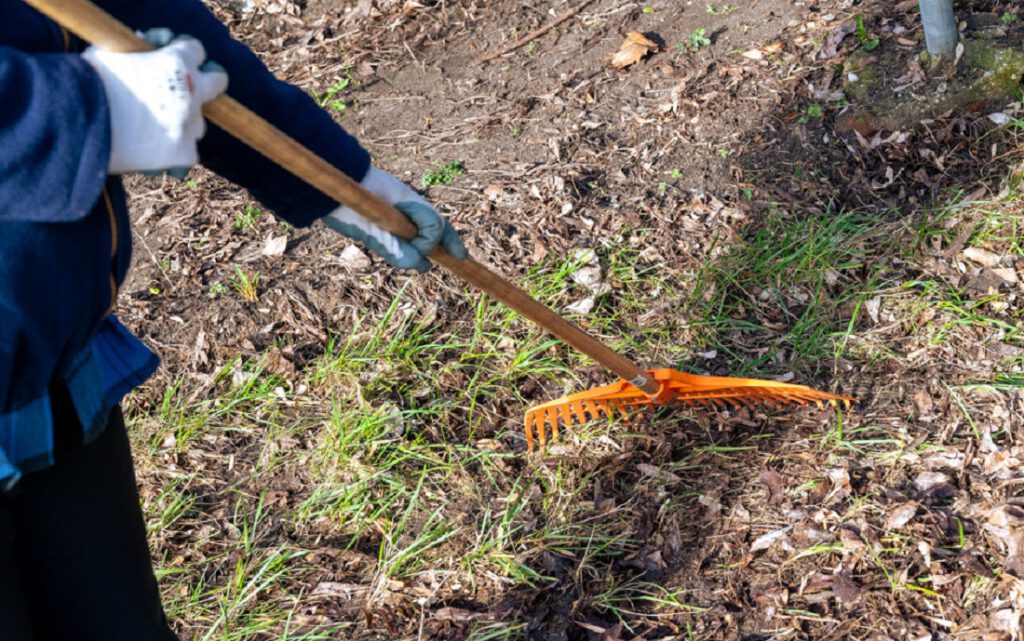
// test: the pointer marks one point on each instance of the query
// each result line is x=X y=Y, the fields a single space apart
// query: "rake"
x=639 y=390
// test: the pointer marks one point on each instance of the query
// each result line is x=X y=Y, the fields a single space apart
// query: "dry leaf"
x=656 y=473
x=923 y=403
x=983 y=257
x=900 y=516
x=846 y=589
x=874 y=306
x=774 y=484
x=589 y=273
x=457 y=615
x=635 y=48
x=582 y=307
x=1007 y=516
x=275 y=246
x=831 y=47
x=1007 y=274
x=851 y=540
x=937 y=484
x=354 y=258
x=768 y=540
x=344 y=591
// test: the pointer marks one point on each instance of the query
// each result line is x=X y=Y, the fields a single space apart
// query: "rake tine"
x=622 y=401
x=541 y=436
x=566 y=414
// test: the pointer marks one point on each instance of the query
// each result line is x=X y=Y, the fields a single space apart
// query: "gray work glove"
x=434 y=230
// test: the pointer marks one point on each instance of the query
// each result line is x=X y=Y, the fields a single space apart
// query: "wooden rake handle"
x=94 y=25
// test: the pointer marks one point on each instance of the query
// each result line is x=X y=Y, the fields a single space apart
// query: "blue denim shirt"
x=112 y=364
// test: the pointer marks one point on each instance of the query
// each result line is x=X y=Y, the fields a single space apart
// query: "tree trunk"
x=940 y=27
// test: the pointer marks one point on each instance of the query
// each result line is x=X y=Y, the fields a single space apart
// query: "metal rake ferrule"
x=624 y=399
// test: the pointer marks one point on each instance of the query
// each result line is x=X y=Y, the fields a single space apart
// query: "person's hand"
x=434 y=230
x=155 y=101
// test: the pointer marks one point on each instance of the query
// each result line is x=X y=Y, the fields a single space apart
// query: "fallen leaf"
x=275 y=246
x=494 y=192
x=774 y=484
x=937 y=484
x=852 y=541
x=753 y=54
x=831 y=46
x=354 y=258
x=841 y=487
x=1008 y=275
x=923 y=403
x=1007 y=516
x=344 y=591
x=1007 y=620
x=361 y=11
x=582 y=307
x=900 y=516
x=589 y=272
x=635 y=48
x=815 y=583
x=768 y=540
x=873 y=306
x=457 y=615
x=846 y=589
x=657 y=473
x=983 y=257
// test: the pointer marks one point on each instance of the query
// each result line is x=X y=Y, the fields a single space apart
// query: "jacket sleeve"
x=54 y=137
x=251 y=83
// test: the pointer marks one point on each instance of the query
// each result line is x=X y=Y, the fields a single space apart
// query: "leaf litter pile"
x=333 y=450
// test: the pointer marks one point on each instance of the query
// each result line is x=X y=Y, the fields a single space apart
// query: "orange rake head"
x=623 y=398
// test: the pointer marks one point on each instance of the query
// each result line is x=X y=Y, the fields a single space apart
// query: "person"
x=74 y=562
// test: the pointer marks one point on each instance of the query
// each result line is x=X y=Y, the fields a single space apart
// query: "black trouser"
x=74 y=565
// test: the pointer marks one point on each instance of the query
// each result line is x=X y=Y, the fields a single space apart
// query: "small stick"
x=535 y=34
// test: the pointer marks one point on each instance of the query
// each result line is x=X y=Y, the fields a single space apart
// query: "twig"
x=533 y=35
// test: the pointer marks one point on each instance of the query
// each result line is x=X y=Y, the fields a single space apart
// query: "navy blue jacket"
x=64 y=228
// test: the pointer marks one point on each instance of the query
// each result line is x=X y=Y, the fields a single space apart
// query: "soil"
x=679 y=154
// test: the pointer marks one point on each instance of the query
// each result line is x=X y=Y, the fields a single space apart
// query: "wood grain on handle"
x=98 y=27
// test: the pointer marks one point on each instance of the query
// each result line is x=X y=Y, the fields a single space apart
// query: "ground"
x=333 y=450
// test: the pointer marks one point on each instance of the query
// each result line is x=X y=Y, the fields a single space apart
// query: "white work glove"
x=156 y=100
x=434 y=230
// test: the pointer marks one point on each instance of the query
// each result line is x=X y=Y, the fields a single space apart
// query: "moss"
x=859 y=65
x=1002 y=70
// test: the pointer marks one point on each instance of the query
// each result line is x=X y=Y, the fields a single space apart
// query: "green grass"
x=695 y=41
x=443 y=174
x=248 y=217
x=787 y=285
x=247 y=401
x=954 y=313
x=246 y=284
x=331 y=97
x=724 y=10
x=861 y=31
